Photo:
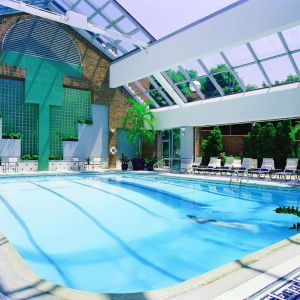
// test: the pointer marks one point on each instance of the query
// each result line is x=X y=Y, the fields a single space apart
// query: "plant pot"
x=124 y=166
x=149 y=167
x=138 y=164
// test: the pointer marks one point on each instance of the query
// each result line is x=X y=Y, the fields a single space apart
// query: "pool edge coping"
x=24 y=272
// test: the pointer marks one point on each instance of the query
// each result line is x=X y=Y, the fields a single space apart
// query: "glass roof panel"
x=228 y=83
x=193 y=69
x=85 y=8
x=134 y=88
x=268 y=46
x=159 y=99
x=142 y=97
x=169 y=16
x=188 y=91
x=207 y=87
x=97 y=3
x=99 y=21
x=214 y=63
x=170 y=98
x=127 y=47
x=252 y=77
x=145 y=83
x=176 y=75
x=156 y=81
x=239 y=55
x=292 y=37
x=111 y=11
x=126 y=25
x=280 y=70
x=296 y=57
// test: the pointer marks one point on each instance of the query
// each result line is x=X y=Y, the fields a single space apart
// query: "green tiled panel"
x=18 y=116
x=64 y=119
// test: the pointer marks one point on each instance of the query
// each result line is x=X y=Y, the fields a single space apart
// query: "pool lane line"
x=32 y=240
x=114 y=236
x=118 y=196
x=142 y=186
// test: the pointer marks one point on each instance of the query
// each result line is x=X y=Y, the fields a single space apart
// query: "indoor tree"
x=139 y=123
x=213 y=145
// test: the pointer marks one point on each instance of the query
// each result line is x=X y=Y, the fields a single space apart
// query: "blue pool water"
x=126 y=233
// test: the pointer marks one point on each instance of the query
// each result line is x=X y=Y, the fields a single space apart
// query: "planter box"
x=28 y=165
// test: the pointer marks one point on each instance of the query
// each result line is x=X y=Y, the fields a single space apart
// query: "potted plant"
x=139 y=123
x=124 y=162
x=150 y=163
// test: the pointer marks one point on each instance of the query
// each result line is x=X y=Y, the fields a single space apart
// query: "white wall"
x=10 y=148
x=276 y=103
x=248 y=21
x=93 y=139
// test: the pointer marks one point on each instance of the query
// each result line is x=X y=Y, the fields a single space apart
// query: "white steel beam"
x=246 y=21
x=165 y=84
x=234 y=109
x=72 y=19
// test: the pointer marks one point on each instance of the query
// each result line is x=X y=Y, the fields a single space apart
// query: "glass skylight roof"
x=263 y=63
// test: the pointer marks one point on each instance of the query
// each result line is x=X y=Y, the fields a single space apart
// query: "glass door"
x=166 y=148
x=176 y=149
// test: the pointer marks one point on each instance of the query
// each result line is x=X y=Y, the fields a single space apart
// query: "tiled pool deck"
x=270 y=273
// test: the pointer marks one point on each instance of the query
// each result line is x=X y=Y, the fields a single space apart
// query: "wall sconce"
x=113 y=130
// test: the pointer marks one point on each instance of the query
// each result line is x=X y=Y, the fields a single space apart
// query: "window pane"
x=214 y=63
x=239 y=55
x=252 y=77
x=159 y=99
x=188 y=91
x=176 y=75
x=292 y=38
x=268 y=46
x=228 y=83
x=193 y=69
x=280 y=70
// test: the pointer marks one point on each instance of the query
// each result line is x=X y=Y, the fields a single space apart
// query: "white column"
x=187 y=146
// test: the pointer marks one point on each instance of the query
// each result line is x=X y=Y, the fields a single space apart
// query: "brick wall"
x=233 y=144
x=95 y=67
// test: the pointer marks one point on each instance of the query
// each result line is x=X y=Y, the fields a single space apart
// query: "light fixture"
x=113 y=130
x=197 y=84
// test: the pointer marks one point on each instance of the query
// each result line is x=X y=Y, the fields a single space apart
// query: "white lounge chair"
x=265 y=169
x=227 y=166
x=289 y=170
x=214 y=162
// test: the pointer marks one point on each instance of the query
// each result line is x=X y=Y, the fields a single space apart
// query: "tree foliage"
x=213 y=145
x=139 y=122
x=271 y=140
